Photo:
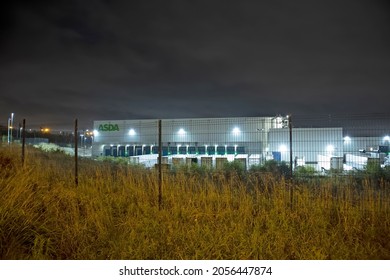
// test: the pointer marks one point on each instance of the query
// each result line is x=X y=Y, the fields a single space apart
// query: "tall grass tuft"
x=114 y=213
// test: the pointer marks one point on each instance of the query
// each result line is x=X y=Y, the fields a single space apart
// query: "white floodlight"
x=386 y=138
x=330 y=148
x=236 y=131
x=181 y=131
x=282 y=148
x=95 y=132
x=347 y=139
x=132 y=132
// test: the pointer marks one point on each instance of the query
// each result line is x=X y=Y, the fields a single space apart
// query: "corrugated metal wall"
x=307 y=142
x=215 y=135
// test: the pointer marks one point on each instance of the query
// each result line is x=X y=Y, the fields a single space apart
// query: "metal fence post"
x=291 y=163
x=159 y=166
x=76 y=176
x=23 y=140
x=291 y=151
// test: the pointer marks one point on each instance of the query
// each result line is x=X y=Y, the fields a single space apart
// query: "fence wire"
x=319 y=144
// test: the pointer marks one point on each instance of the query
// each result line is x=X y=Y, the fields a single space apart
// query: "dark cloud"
x=167 y=59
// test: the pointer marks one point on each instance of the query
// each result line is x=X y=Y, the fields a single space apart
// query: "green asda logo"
x=108 y=127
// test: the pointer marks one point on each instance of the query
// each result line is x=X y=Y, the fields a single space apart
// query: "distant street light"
x=12 y=125
x=8 y=129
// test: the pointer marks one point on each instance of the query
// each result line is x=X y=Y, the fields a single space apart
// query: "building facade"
x=183 y=137
x=213 y=141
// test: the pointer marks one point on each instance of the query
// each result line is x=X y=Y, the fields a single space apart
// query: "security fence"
x=340 y=143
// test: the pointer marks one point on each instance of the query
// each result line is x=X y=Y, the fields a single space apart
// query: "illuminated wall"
x=208 y=136
x=307 y=143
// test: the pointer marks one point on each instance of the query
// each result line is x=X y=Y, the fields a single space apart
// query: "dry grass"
x=113 y=214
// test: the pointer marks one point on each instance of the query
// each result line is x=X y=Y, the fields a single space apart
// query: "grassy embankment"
x=113 y=214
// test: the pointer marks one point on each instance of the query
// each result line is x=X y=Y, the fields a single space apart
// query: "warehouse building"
x=196 y=140
x=213 y=141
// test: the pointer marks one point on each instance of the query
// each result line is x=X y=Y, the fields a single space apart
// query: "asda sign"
x=108 y=127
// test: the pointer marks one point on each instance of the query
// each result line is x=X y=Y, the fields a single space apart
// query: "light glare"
x=236 y=131
x=282 y=148
x=330 y=148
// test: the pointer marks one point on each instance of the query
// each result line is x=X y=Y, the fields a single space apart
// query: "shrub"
x=234 y=167
x=114 y=160
x=386 y=172
x=304 y=171
x=373 y=169
x=49 y=147
x=272 y=166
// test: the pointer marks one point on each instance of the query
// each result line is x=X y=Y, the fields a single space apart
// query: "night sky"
x=188 y=59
